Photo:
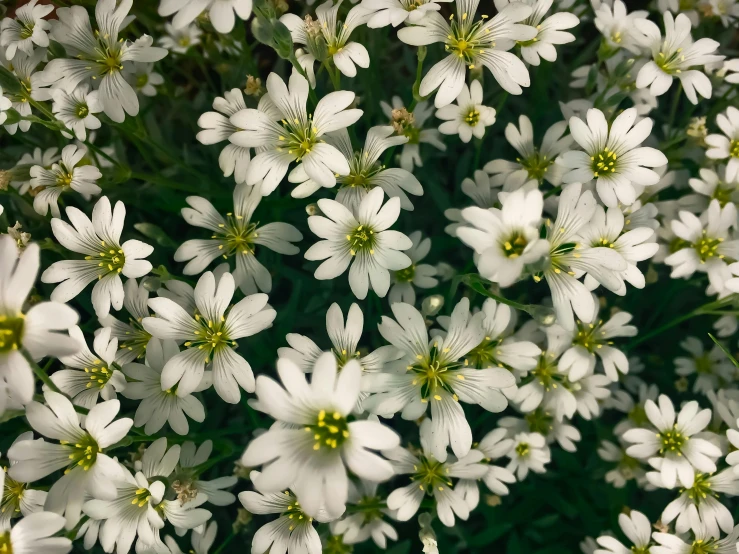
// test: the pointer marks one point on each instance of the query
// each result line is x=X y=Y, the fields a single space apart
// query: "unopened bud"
x=432 y=304
x=283 y=41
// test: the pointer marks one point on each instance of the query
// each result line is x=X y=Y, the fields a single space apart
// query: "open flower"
x=221 y=13
x=506 y=239
x=89 y=376
x=217 y=127
x=315 y=442
x=436 y=373
x=99 y=56
x=80 y=449
x=28 y=30
x=34 y=533
x=159 y=405
x=36 y=330
x=330 y=36
x=361 y=239
x=77 y=110
x=294 y=135
x=675 y=55
x=415 y=275
x=470 y=43
x=550 y=31
x=394 y=12
x=61 y=177
x=105 y=260
x=210 y=336
x=430 y=477
x=366 y=172
x=672 y=443
x=612 y=155
x=235 y=235
x=726 y=146
x=468 y=117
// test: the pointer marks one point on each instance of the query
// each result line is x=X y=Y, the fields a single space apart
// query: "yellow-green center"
x=11 y=332
x=604 y=163
x=329 y=431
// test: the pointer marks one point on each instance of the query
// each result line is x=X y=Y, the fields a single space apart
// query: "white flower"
x=699 y=506
x=415 y=275
x=612 y=155
x=680 y=453
x=88 y=376
x=5 y=105
x=143 y=78
x=234 y=160
x=595 y=338
x=617 y=26
x=627 y=468
x=360 y=526
x=507 y=239
x=292 y=532
x=27 y=30
x=731 y=69
x=550 y=31
x=344 y=341
x=190 y=485
x=500 y=347
x=132 y=337
x=410 y=125
x=21 y=178
x=468 y=117
x=138 y=510
x=436 y=373
x=365 y=170
x=76 y=110
x=482 y=191
x=362 y=240
x=293 y=134
x=180 y=40
x=35 y=331
x=528 y=452
x=18 y=500
x=74 y=32
x=726 y=146
x=63 y=176
x=568 y=259
x=395 y=12
x=608 y=228
x=221 y=13
x=533 y=163
x=157 y=404
x=675 y=56
x=637 y=529
x=713 y=184
x=313 y=444
x=80 y=449
x=430 y=477
x=237 y=236
x=707 y=245
x=31 y=86
x=330 y=35
x=702 y=540
x=105 y=260
x=210 y=336
x=34 y=534
x=712 y=368
x=471 y=43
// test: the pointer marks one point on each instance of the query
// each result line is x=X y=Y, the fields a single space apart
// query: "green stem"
x=41 y=374
x=675 y=103
x=333 y=74
x=417 y=83
x=706 y=309
x=224 y=544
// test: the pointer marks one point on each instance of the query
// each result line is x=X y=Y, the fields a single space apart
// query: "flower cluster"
x=507 y=214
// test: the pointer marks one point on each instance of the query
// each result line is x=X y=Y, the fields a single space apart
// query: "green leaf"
x=155 y=233
x=732 y=359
